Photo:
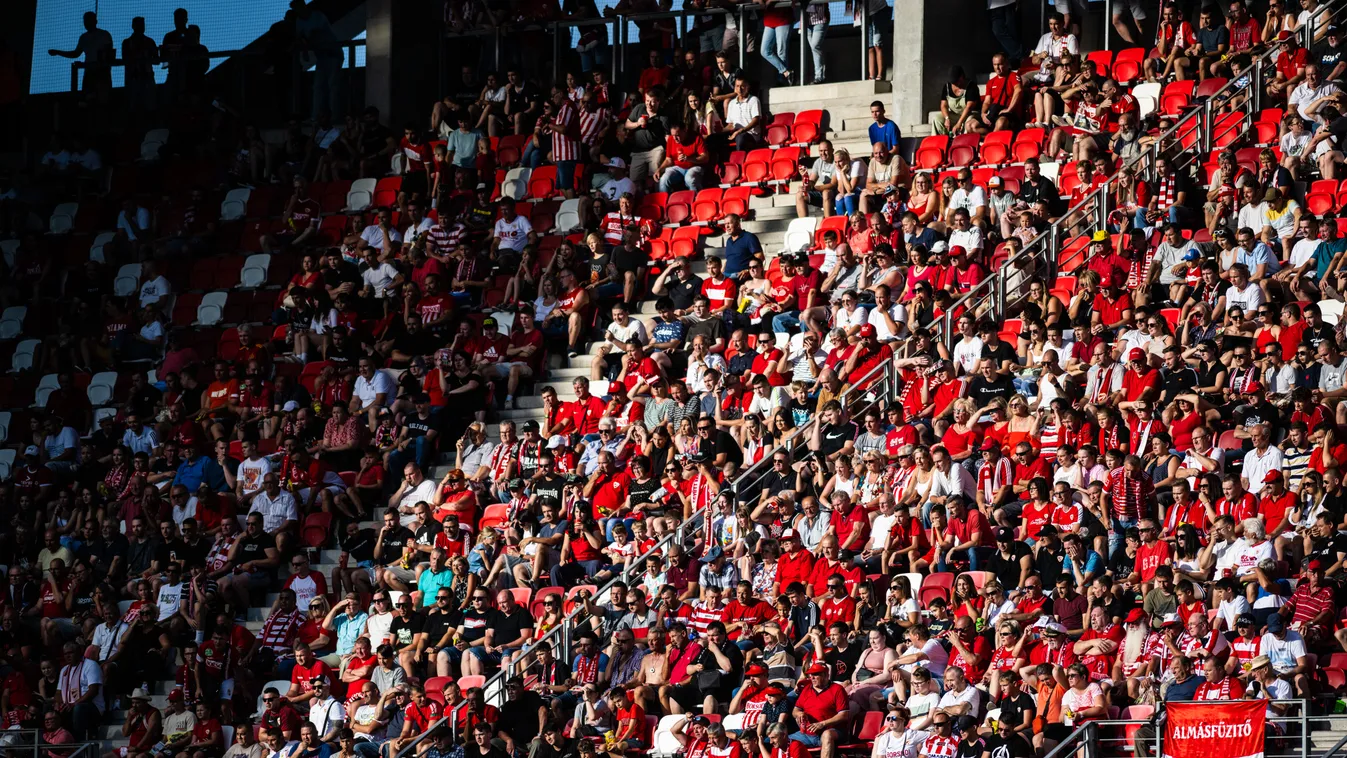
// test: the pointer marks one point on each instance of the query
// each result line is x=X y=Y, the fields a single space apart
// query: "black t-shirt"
x=435 y=625
x=1175 y=383
x=373 y=139
x=426 y=534
x=420 y=427
x=548 y=489
x=970 y=749
x=143 y=401
x=511 y=627
x=652 y=135
x=347 y=355
x=1014 y=708
x=360 y=545
x=1327 y=549
x=1014 y=747
x=1042 y=189
x=598 y=266
x=423 y=342
x=1262 y=413
x=842 y=662
x=682 y=293
x=171 y=552
x=712 y=329
x=255 y=548
x=1048 y=564
x=629 y=259
x=344 y=273
x=1007 y=570
x=1001 y=353
x=981 y=391
x=522 y=99
x=397 y=539
x=834 y=437
x=1313 y=335
x=724 y=443
x=519 y=718
x=1120 y=564
x=403 y=631
x=1327 y=56
x=475 y=623
x=641 y=491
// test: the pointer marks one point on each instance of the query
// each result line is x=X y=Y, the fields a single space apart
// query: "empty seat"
x=11 y=321
x=736 y=201
x=680 y=206
x=255 y=269
x=568 y=216
x=800 y=234
x=808 y=127
x=758 y=165
x=996 y=147
x=235 y=205
x=361 y=194
x=1028 y=144
x=1176 y=97
x=931 y=152
x=1322 y=196
x=516 y=184
x=542 y=183
x=1147 y=95
x=63 y=218
x=7 y=462
x=963 y=150
x=785 y=164
x=100 y=241
x=128 y=280
x=24 y=355
x=1103 y=61
x=4 y=426
x=706 y=206
x=154 y=140
x=1127 y=65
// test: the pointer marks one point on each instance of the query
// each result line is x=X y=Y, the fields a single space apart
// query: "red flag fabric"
x=1220 y=729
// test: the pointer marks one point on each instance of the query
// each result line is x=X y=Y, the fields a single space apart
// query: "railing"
x=243 y=72
x=619 y=33
x=1188 y=141
x=1289 y=738
x=23 y=742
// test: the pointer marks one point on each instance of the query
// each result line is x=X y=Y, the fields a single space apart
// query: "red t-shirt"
x=820 y=706
x=719 y=293
x=683 y=155
x=610 y=494
x=1150 y=557
x=433 y=307
x=491 y=350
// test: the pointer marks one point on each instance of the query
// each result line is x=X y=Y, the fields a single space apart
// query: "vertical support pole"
x=804 y=32
x=1108 y=22
x=1256 y=81
x=556 y=48
x=743 y=35
x=865 y=39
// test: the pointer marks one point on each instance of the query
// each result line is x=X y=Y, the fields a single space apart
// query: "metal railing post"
x=556 y=48
x=1256 y=80
x=1108 y=22
x=743 y=35
x=804 y=19
x=865 y=34
x=1304 y=712
x=496 y=41
x=612 y=59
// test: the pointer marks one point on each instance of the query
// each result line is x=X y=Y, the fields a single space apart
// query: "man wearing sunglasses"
x=821 y=711
x=475 y=629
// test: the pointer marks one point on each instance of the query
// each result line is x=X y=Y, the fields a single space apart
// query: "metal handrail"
x=1090 y=731
x=347 y=46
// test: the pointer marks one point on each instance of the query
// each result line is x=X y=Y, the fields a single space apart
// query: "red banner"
x=1220 y=729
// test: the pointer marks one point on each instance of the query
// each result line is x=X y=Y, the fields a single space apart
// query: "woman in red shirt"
x=962 y=437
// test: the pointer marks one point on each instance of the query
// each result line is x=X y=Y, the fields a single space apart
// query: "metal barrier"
x=1289 y=736
x=745 y=17
x=19 y=743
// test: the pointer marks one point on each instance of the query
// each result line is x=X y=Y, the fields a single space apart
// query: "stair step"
x=813 y=94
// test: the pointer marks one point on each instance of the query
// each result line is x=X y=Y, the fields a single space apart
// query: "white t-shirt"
x=374 y=236
x=1283 y=652
x=513 y=235
x=423 y=491
x=969 y=695
x=740 y=114
x=613 y=189
x=368 y=390
x=1332 y=377
x=305 y=588
x=897 y=312
x=969 y=200
x=920 y=705
x=251 y=473
x=634 y=328
x=1247 y=557
x=154 y=290
x=1256 y=467
x=1252 y=216
x=937 y=658
x=169 y=600
x=153 y=330
x=905 y=745
x=376 y=628
x=379 y=278
x=1301 y=252
x=968 y=353
x=326 y=714
x=1248 y=298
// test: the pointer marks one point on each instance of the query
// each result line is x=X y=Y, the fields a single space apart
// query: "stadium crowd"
x=1126 y=490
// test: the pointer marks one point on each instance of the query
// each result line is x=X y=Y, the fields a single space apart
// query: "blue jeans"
x=532 y=157
x=1115 y=535
x=675 y=179
x=817 y=33
x=786 y=322
x=419 y=451
x=845 y=205
x=976 y=557
x=1006 y=31
x=808 y=740
x=327 y=83
x=776 y=47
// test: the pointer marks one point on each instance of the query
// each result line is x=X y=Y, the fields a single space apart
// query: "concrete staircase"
x=848 y=106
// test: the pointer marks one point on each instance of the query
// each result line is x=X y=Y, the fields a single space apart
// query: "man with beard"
x=1132 y=663
x=1098 y=646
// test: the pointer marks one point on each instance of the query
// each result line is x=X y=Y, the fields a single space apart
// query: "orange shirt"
x=220 y=394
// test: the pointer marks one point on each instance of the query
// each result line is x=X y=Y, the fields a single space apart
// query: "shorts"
x=877 y=24
x=687 y=695
x=1014 y=508
x=305 y=492
x=1134 y=6
x=995 y=111
x=406 y=576
x=482 y=655
x=808 y=740
x=713 y=40
x=502 y=370
x=415 y=183
x=645 y=164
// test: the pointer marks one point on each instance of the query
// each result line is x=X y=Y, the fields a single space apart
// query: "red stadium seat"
x=1103 y=61
x=684 y=242
x=931 y=152
x=963 y=150
x=1209 y=87
x=996 y=147
x=778 y=134
x=543 y=182
x=680 y=206
x=653 y=205
x=1127 y=65
x=1028 y=144
x=706 y=208
x=317 y=529
x=736 y=201
x=1226 y=129
x=786 y=164
x=1176 y=97
x=808 y=127
x=935 y=585
x=834 y=223
x=1322 y=196
x=758 y=165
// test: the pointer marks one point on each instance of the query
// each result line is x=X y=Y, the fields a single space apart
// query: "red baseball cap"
x=1272 y=476
x=1137 y=354
x=867 y=330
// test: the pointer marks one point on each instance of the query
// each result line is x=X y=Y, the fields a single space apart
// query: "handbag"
x=708 y=680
